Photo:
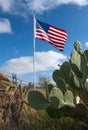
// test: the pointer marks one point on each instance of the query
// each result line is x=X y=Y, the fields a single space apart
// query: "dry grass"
x=40 y=89
x=27 y=114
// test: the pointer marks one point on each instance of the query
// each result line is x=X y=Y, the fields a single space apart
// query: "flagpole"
x=34 y=54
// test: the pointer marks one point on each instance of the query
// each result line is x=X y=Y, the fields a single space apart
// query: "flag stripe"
x=55 y=36
x=51 y=38
x=40 y=33
x=50 y=41
x=58 y=46
x=58 y=31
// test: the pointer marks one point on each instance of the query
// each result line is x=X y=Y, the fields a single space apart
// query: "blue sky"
x=16 y=34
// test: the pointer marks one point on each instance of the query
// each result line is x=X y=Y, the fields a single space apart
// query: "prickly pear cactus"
x=57 y=100
x=37 y=100
x=79 y=64
x=70 y=81
x=78 y=47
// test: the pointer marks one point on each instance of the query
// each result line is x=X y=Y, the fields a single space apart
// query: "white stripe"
x=40 y=30
x=53 y=43
x=59 y=35
x=42 y=34
x=64 y=33
x=58 y=41
x=44 y=38
x=58 y=38
x=60 y=48
x=62 y=45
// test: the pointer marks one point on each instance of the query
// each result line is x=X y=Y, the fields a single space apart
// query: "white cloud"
x=44 y=61
x=77 y=2
x=40 y=6
x=23 y=7
x=5 y=5
x=48 y=60
x=86 y=44
x=5 y=26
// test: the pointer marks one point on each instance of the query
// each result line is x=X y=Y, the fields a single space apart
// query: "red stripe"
x=44 y=34
x=59 y=39
x=42 y=38
x=58 y=31
x=50 y=39
x=58 y=46
x=57 y=35
x=41 y=33
x=54 y=38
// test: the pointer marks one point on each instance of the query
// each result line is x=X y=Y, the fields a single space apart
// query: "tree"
x=42 y=81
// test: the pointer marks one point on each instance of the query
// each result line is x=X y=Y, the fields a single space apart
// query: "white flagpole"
x=34 y=54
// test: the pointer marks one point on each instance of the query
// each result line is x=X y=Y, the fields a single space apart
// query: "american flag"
x=53 y=35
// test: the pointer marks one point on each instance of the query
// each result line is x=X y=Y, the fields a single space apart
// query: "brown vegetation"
x=12 y=110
